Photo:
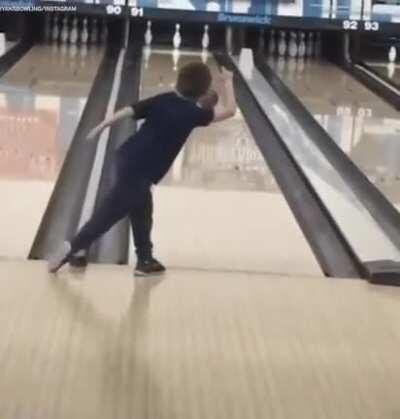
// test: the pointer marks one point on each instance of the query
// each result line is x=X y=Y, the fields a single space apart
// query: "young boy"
x=145 y=158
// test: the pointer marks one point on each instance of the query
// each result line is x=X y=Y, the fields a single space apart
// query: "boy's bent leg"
x=114 y=207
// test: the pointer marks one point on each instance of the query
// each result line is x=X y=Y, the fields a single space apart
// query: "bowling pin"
x=293 y=50
x=392 y=54
x=64 y=30
x=246 y=62
x=2 y=44
x=85 y=31
x=229 y=40
x=73 y=36
x=205 y=42
x=271 y=42
x=302 y=45
x=56 y=31
x=94 y=35
x=175 y=58
x=310 y=45
x=177 y=40
x=282 y=43
x=148 y=36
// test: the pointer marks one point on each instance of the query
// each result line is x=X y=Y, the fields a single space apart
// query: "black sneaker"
x=59 y=257
x=147 y=267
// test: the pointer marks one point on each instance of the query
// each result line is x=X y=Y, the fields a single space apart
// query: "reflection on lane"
x=361 y=123
x=219 y=206
x=41 y=101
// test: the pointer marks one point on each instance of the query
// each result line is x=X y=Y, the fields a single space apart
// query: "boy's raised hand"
x=93 y=133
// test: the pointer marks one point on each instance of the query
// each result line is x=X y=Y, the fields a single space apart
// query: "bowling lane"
x=41 y=101
x=390 y=71
x=361 y=123
x=219 y=207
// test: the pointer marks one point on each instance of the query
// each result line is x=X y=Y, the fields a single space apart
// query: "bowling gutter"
x=381 y=86
x=61 y=217
x=377 y=246
x=14 y=54
x=335 y=256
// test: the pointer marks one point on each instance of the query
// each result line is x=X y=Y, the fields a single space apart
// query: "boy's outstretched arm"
x=125 y=112
x=229 y=106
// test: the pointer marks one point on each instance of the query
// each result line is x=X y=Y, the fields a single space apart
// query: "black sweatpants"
x=129 y=197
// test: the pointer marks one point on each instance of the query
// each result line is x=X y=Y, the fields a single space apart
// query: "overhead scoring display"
x=348 y=15
x=99 y=7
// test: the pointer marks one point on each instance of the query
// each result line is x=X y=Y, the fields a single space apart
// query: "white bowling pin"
x=56 y=31
x=282 y=43
x=293 y=50
x=94 y=35
x=310 y=45
x=392 y=54
x=64 y=30
x=74 y=35
x=205 y=42
x=175 y=58
x=2 y=43
x=148 y=36
x=271 y=42
x=229 y=40
x=302 y=44
x=177 y=40
x=85 y=31
x=246 y=62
